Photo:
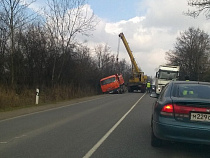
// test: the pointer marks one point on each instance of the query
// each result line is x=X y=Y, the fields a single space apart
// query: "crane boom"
x=138 y=80
x=121 y=35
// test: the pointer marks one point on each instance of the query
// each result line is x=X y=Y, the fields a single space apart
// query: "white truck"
x=164 y=75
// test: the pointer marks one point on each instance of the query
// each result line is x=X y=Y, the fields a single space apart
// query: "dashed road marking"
x=18 y=137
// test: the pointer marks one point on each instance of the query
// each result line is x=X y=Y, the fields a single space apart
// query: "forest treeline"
x=42 y=51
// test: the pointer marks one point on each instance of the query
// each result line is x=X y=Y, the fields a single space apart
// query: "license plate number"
x=200 y=117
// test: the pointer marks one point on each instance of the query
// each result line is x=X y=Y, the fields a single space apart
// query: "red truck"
x=113 y=84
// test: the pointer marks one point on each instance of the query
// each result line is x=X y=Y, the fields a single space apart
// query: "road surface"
x=109 y=126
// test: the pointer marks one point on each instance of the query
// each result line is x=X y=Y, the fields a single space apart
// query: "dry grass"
x=10 y=99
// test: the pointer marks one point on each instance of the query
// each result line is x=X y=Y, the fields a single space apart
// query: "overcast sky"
x=150 y=27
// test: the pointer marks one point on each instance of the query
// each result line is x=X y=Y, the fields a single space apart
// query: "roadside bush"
x=15 y=98
x=9 y=98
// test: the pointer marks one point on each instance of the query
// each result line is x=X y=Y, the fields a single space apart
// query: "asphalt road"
x=111 y=126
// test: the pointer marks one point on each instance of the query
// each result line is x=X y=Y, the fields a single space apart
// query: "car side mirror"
x=154 y=95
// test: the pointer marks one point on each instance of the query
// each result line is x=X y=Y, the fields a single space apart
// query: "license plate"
x=200 y=117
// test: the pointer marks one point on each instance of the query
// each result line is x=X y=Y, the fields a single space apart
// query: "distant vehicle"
x=164 y=75
x=182 y=113
x=138 y=80
x=153 y=88
x=113 y=84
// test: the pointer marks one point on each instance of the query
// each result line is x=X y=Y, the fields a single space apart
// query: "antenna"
x=118 y=49
x=117 y=56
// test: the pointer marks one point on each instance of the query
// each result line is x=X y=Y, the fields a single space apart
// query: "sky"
x=150 y=27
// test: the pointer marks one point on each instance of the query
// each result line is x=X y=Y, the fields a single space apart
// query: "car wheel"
x=155 y=142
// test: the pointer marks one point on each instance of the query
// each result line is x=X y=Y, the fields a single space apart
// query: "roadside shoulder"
x=34 y=109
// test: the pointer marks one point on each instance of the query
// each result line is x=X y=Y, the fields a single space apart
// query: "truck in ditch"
x=113 y=84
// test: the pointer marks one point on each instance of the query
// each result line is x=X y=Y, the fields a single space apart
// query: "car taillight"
x=167 y=110
x=184 y=111
x=180 y=112
x=178 y=109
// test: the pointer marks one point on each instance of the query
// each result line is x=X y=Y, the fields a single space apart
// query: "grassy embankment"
x=11 y=99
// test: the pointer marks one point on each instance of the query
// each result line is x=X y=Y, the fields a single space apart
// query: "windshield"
x=107 y=81
x=169 y=75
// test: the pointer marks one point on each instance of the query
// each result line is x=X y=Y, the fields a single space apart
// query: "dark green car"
x=182 y=113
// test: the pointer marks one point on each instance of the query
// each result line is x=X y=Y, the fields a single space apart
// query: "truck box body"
x=112 y=84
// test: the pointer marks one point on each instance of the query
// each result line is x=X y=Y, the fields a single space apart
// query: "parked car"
x=181 y=113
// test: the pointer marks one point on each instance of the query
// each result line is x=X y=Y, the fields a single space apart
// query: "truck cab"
x=112 y=84
x=164 y=75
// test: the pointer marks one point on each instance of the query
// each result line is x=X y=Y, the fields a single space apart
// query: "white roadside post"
x=37 y=96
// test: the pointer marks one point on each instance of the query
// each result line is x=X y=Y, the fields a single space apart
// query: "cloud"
x=152 y=34
x=149 y=34
x=36 y=5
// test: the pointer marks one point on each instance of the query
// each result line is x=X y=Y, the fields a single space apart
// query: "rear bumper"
x=180 y=133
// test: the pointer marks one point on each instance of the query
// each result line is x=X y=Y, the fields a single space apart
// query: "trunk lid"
x=191 y=110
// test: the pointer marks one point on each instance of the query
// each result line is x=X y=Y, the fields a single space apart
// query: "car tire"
x=155 y=142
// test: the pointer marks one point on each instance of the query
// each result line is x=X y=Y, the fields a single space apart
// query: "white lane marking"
x=17 y=137
x=98 y=144
x=3 y=142
x=60 y=107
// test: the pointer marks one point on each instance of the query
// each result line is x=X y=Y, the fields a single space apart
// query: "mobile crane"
x=138 y=80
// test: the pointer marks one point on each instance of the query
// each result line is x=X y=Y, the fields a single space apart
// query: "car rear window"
x=201 y=91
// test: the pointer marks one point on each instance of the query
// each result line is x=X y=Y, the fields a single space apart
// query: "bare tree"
x=125 y=69
x=200 y=6
x=3 y=49
x=33 y=47
x=14 y=16
x=65 y=19
x=191 y=53
x=105 y=60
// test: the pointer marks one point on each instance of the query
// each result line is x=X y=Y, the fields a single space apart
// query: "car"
x=181 y=113
x=153 y=88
